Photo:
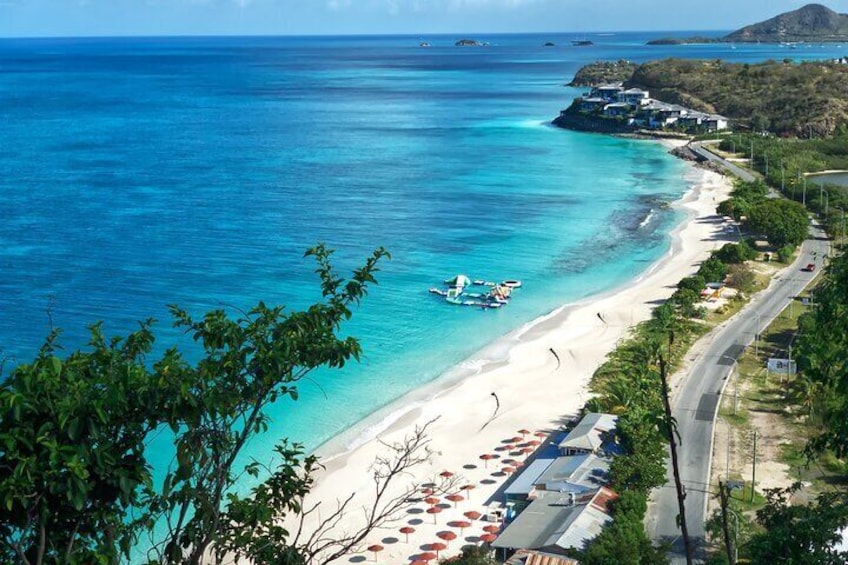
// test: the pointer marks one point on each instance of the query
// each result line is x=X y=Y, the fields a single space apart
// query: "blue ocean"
x=140 y=172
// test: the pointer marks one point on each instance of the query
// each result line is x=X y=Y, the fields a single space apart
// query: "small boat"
x=581 y=42
x=512 y=283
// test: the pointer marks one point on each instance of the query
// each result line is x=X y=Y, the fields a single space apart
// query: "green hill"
x=807 y=99
x=813 y=22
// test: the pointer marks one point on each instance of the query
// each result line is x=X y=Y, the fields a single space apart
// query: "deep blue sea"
x=140 y=172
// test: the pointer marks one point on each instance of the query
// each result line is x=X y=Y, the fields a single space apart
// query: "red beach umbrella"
x=376 y=548
x=486 y=457
x=455 y=498
x=418 y=562
x=446 y=474
x=541 y=434
x=432 y=500
x=488 y=538
x=523 y=432
x=516 y=439
x=491 y=529
x=467 y=489
x=406 y=530
x=461 y=524
x=426 y=491
x=428 y=556
x=472 y=515
x=527 y=450
x=508 y=469
x=447 y=536
x=434 y=510
x=437 y=547
x=533 y=442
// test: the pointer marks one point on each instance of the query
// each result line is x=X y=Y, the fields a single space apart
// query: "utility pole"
x=736 y=393
x=669 y=424
x=783 y=182
x=754 y=467
x=724 y=495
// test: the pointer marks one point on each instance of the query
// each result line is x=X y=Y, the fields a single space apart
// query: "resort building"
x=639 y=110
x=530 y=557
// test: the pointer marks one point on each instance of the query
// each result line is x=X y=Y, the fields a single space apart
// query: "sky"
x=40 y=18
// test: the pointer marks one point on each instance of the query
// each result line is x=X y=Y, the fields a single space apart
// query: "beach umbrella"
x=467 y=489
x=515 y=439
x=541 y=434
x=508 y=469
x=527 y=450
x=491 y=529
x=437 y=547
x=418 y=562
x=434 y=510
x=533 y=442
x=488 y=538
x=523 y=432
x=461 y=524
x=376 y=548
x=426 y=490
x=446 y=474
x=432 y=500
x=472 y=515
x=447 y=536
x=486 y=457
x=427 y=556
x=406 y=530
x=455 y=498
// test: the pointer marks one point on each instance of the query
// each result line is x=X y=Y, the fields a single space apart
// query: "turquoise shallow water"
x=142 y=172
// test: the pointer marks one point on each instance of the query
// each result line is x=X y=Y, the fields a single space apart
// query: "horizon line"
x=363 y=35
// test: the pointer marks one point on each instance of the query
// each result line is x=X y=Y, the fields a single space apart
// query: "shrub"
x=732 y=253
x=741 y=278
x=694 y=283
x=784 y=254
x=713 y=270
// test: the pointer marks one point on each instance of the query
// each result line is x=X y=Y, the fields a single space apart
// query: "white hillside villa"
x=640 y=110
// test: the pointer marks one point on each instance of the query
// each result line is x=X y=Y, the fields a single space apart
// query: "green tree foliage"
x=799 y=534
x=735 y=253
x=74 y=430
x=744 y=197
x=781 y=221
x=695 y=283
x=822 y=353
x=713 y=270
x=623 y=541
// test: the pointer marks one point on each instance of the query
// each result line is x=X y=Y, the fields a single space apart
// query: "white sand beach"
x=535 y=391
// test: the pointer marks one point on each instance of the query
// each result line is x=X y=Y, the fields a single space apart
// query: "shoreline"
x=520 y=368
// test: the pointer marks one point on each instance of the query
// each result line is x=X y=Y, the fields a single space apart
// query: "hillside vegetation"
x=813 y=22
x=808 y=99
x=601 y=72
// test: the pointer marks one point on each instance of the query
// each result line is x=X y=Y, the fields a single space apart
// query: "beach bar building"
x=594 y=434
x=558 y=521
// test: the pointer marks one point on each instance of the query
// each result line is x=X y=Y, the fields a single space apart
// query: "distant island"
x=803 y=100
x=470 y=43
x=812 y=23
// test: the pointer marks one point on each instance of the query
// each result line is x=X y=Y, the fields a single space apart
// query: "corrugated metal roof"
x=554 y=521
x=588 y=434
x=524 y=482
x=575 y=473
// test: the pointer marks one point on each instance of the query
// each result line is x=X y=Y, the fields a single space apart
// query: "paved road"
x=743 y=174
x=695 y=401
